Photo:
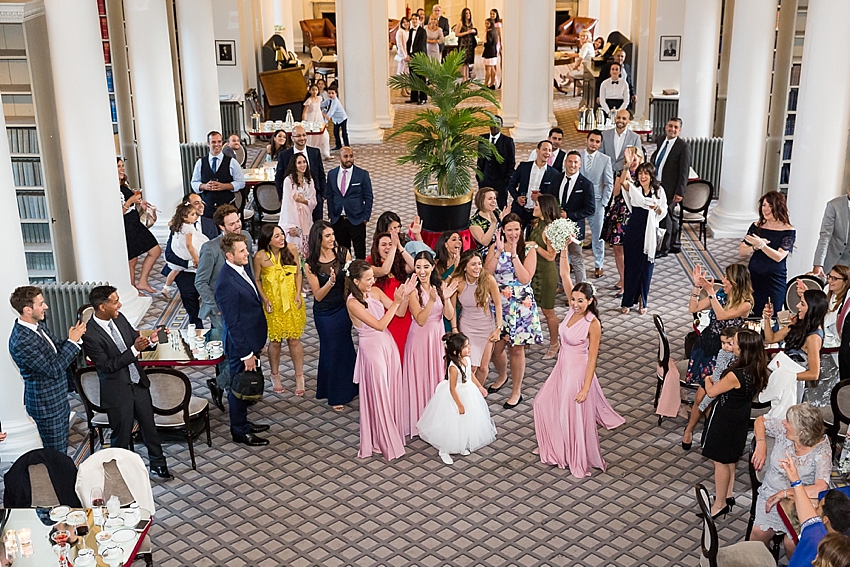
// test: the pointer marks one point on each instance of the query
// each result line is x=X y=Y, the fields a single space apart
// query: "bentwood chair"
x=268 y=203
x=663 y=360
x=756 y=479
x=176 y=409
x=742 y=554
x=88 y=386
x=693 y=209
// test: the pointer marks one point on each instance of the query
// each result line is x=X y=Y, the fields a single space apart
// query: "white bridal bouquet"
x=560 y=232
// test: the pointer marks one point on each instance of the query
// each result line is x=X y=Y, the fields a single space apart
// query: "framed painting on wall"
x=225 y=52
x=670 y=46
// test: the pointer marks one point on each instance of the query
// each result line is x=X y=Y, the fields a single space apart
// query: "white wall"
x=226 y=26
x=670 y=20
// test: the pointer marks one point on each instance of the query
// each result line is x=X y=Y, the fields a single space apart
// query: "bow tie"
x=615 y=82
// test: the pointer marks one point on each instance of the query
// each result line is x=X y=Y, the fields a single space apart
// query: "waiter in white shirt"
x=614 y=91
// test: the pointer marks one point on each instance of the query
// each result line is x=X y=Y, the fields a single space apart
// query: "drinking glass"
x=61 y=537
x=97 y=497
x=63 y=550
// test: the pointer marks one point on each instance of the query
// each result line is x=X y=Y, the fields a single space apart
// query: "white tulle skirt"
x=450 y=432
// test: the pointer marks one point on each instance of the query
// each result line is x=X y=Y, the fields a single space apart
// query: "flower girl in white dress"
x=457 y=419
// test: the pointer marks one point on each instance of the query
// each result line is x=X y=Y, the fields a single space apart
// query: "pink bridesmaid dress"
x=423 y=368
x=566 y=430
x=378 y=371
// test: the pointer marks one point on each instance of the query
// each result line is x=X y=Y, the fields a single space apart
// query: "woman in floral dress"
x=618 y=214
x=513 y=267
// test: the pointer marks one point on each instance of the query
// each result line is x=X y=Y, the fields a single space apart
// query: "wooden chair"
x=742 y=554
x=176 y=409
x=88 y=386
x=663 y=360
x=837 y=416
x=693 y=209
x=319 y=68
x=268 y=203
x=756 y=479
x=318 y=32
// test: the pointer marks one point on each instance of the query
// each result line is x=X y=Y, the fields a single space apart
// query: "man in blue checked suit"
x=44 y=361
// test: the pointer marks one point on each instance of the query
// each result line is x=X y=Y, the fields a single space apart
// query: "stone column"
x=820 y=145
x=643 y=54
x=76 y=57
x=698 y=90
x=198 y=68
x=753 y=31
x=283 y=17
x=356 y=36
x=22 y=433
x=157 y=133
x=529 y=37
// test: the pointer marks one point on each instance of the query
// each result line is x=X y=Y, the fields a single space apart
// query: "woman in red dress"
x=392 y=266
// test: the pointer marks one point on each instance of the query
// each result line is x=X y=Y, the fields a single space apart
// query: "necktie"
x=551 y=159
x=214 y=164
x=344 y=185
x=46 y=338
x=589 y=161
x=615 y=82
x=492 y=139
x=119 y=341
x=660 y=156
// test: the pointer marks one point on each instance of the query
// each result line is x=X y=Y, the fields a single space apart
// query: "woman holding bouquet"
x=545 y=281
x=647 y=205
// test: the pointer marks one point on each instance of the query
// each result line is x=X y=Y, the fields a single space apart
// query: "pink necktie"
x=551 y=159
x=343 y=186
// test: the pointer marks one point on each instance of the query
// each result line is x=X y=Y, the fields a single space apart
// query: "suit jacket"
x=557 y=163
x=417 y=41
x=245 y=326
x=497 y=174
x=113 y=365
x=210 y=261
x=608 y=147
x=674 y=177
x=443 y=23
x=832 y=246
x=600 y=174
x=581 y=203
x=518 y=184
x=44 y=371
x=317 y=171
x=210 y=230
x=357 y=202
x=60 y=468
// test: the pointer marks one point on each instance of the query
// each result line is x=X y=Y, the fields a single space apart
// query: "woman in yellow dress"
x=277 y=274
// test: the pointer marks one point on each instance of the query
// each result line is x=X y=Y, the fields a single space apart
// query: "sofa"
x=320 y=32
x=569 y=31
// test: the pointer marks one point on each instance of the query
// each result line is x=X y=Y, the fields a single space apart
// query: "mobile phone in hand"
x=162 y=335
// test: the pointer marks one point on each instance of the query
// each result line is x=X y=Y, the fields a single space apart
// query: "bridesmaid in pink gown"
x=571 y=403
x=424 y=368
x=378 y=367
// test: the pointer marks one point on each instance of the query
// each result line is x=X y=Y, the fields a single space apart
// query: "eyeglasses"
x=832 y=278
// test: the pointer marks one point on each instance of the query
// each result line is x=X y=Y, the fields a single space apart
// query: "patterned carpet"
x=308 y=500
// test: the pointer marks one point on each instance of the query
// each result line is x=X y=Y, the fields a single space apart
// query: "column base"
x=22 y=437
x=365 y=134
x=530 y=132
x=725 y=224
x=386 y=121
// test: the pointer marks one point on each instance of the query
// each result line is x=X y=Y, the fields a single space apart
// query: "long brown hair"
x=355 y=272
x=778 y=205
x=742 y=287
x=844 y=272
x=654 y=185
x=435 y=281
x=482 y=284
x=397 y=270
x=179 y=219
x=292 y=172
x=753 y=360
x=548 y=209
x=264 y=243
x=520 y=245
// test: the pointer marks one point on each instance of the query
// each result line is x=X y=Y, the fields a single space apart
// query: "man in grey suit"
x=210 y=262
x=832 y=248
x=616 y=140
x=596 y=166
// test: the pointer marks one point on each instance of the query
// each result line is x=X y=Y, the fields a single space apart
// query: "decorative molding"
x=33 y=10
x=12 y=14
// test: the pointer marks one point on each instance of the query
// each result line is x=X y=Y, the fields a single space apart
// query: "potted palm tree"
x=442 y=142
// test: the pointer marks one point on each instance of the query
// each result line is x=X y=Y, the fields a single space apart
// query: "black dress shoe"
x=258 y=427
x=216 y=393
x=250 y=439
x=162 y=472
x=661 y=254
x=675 y=250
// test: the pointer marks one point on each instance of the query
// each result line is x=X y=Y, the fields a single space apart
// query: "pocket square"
x=355 y=184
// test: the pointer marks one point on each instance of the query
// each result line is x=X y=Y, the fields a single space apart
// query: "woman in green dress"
x=545 y=281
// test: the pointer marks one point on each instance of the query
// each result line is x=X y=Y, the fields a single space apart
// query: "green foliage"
x=442 y=143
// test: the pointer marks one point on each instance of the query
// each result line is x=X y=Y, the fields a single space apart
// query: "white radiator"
x=707 y=154
x=231 y=119
x=189 y=154
x=662 y=110
x=63 y=301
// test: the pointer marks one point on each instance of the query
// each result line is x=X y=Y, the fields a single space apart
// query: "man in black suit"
x=672 y=160
x=113 y=346
x=185 y=280
x=495 y=174
x=245 y=330
x=216 y=176
x=578 y=202
x=314 y=160
x=349 y=196
x=531 y=177
x=417 y=42
x=442 y=21
x=556 y=158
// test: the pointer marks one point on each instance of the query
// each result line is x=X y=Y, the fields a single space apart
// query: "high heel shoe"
x=687 y=446
x=730 y=502
x=723 y=511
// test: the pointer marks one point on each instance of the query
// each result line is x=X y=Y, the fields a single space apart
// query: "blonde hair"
x=808 y=423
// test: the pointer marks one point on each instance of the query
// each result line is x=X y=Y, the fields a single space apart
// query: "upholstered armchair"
x=320 y=32
x=569 y=31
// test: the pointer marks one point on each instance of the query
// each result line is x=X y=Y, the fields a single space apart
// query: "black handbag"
x=248 y=385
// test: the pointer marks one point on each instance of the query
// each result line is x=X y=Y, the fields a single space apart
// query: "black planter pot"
x=441 y=214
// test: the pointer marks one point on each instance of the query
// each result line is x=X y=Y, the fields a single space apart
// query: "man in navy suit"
x=578 y=202
x=495 y=174
x=245 y=330
x=530 y=177
x=314 y=160
x=185 y=280
x=44 y=361
x=672 y=159
x=113 y=346
x=349 y=197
